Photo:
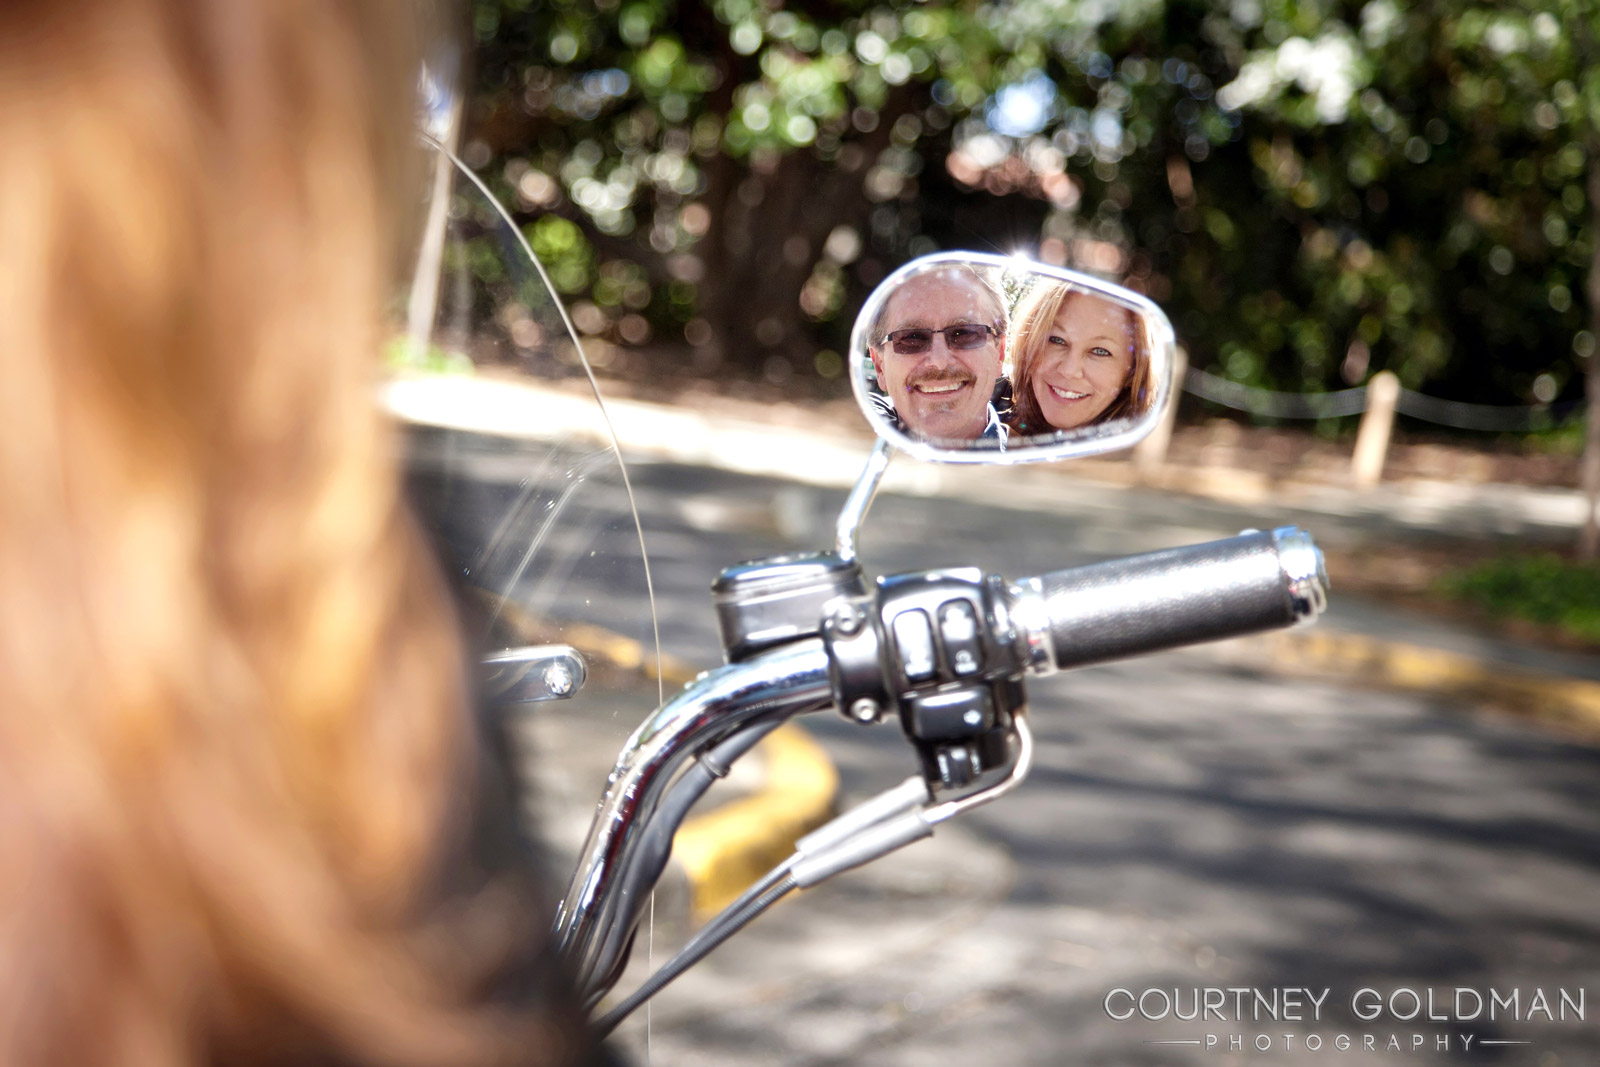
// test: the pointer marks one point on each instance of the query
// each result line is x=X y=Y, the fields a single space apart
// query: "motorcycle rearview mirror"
x=963 y=357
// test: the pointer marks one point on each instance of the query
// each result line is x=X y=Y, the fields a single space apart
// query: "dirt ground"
x=1297 y=453
x=1205 y=438
x=1206 y=435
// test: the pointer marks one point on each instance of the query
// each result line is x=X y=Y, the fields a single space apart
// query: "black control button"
x=958 y=627
x=913 y=636
x=957 y=765
x=962 y=713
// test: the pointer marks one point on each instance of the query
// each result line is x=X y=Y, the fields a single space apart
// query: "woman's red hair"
x=234 y=731
x=1031 y=324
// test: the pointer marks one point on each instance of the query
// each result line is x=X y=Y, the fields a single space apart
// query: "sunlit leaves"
x=1317 y=188
x=561 y=247
x=1441 y=216
x=620 y=117
x=1311 y=81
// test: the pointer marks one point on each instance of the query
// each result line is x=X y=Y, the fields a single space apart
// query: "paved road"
x=1188 y=826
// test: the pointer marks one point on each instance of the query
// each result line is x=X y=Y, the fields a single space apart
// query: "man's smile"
x=940 y=387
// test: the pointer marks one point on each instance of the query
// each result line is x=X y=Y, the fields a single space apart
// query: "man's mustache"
x=937 y=377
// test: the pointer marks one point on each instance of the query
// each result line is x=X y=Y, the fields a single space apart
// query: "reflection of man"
x=936 y=347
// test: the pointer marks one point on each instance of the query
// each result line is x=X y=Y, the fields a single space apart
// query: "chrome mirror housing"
x=963 y=357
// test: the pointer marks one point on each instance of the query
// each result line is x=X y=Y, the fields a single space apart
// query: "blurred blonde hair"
x=1031 y=324
x=235 y=736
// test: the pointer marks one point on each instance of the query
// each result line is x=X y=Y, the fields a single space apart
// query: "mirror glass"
x=967 y=357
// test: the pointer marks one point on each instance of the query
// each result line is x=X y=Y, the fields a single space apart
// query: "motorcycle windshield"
x=515 y=470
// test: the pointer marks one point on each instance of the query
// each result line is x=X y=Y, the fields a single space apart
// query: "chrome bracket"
x=854 y=512
x=533 y=673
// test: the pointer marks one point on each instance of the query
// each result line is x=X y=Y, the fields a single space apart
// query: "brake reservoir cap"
x=769 y=602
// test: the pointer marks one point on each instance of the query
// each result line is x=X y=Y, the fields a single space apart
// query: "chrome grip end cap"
x=1030 y=618
x=1305 y=573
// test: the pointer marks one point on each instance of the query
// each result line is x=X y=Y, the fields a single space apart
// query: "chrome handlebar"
x=594 y=920
x=1246 y=584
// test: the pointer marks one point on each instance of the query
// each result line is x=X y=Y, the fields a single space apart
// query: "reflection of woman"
x=1079 y=359
x=247 y=814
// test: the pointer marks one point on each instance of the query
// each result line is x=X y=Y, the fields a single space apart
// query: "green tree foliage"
x=1434 y=160
x=1316 y=189
x=736 y=172
x=1539 y=588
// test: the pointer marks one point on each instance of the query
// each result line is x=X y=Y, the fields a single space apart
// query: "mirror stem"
x=855 y=507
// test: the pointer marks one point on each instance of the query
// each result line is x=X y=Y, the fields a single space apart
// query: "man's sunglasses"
x=963 y=336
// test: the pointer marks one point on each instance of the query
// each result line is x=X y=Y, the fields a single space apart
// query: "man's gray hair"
x=983 y=276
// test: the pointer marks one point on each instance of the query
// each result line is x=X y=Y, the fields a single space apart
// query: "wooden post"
x=1151 y=453
x=1372 y=439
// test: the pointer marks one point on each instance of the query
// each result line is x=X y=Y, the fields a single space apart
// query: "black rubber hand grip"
x=1241 y=585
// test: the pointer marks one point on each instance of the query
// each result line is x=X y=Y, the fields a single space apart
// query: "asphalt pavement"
x=1257 y=817
x=1204 y=819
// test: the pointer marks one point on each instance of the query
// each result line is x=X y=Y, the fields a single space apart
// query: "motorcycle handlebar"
x=1240 y=585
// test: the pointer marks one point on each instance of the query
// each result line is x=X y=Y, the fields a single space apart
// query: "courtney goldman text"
x=1367 y=1020
x=1238 y=1004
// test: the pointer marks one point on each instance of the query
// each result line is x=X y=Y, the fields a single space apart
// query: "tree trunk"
x=1589 y=541
x=769 y=224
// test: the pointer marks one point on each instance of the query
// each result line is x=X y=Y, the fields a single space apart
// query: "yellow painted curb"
x=729 y=847
x=1571 y=702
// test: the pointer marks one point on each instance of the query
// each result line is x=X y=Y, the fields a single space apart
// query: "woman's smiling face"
x=1086 y=360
